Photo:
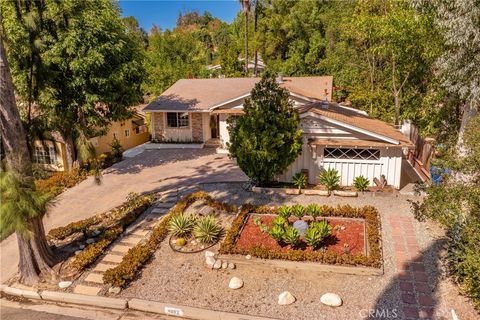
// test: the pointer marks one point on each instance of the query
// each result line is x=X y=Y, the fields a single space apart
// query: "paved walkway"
x=153 y=170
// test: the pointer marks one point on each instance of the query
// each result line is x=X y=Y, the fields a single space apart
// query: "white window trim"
x=177 y=128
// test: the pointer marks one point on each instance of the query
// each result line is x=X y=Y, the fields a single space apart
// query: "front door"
x=214 y=126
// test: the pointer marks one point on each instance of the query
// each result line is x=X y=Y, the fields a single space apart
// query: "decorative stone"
x=81 y=247
x=64 y=284
x=217 y=264
x=235 y=283
x=96 y=232
x=292 y=191
x=89 y=241
x=301 y=226
x=286 y=298
x=248 y=257
x=210 y=261
x=231 y=265
x=202 y=247
x=114 y=290
x=224 y=265
x=209 y=253
x=331 y=299
x=78 y=252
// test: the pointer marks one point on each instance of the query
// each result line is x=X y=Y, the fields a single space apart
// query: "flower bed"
x=233 y=245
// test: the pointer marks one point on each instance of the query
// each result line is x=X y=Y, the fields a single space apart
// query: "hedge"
x=137 y=256
x=128 y=213
x=369 y=213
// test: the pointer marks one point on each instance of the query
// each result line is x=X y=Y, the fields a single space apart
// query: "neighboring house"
x=251 y=66
x=335 y=136
x=51 y=154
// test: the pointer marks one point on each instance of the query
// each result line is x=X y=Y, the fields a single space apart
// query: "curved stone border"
x=196 y=251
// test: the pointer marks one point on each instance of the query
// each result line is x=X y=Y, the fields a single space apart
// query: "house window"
x=45 y=155
x=115 y=135
x=351 y=154
x=140 y=129
x=177 y=119
x=127 y=132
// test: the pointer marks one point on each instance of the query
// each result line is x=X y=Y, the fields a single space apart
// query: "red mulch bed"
x=351 y=238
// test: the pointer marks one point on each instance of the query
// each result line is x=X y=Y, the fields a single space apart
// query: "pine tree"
x=266 y=139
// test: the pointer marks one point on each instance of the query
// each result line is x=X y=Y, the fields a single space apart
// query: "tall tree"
x=246 y=10
x=22 y=209
x=266 y=139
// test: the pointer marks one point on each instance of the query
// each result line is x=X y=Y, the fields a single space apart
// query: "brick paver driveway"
x=152 y=170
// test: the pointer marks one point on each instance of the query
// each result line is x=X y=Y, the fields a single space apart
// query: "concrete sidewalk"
x=152 y=170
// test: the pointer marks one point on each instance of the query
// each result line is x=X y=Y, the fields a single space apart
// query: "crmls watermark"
x=379 y=313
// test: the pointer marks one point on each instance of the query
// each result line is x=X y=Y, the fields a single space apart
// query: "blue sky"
x=164 y=13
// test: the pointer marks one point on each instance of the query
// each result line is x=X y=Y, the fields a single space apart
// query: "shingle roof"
x=202 y=94
x=356 y=119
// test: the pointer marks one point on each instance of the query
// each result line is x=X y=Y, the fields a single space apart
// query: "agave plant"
x=291 y=236
x=314 y=210
x=323 y=227
x=207 y=229
x=285 y=211
x=181 y=224
x=300 y=180
x=316 y=233
x=330 y=179
x=298 y=211
x=361 y=183
x=279 y=221
x=277 y=232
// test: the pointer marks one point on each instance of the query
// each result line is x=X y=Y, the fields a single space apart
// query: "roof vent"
x=279 y=78
x=324 y=104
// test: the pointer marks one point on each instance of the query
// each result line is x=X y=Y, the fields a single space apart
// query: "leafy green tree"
x=266 y=139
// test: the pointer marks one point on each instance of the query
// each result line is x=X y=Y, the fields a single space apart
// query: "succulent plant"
x=285 y=211
x=314 y=210
x=277 y=232
x=181 y=224
x=330 y=179
x=207 y=229
x=291 y=236
x=298 y=211
x=361 y=183
x=300 y=180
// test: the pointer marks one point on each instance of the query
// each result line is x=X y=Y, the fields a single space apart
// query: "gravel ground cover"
x=184 y=279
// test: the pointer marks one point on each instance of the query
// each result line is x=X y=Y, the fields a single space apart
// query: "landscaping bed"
x=348 y=236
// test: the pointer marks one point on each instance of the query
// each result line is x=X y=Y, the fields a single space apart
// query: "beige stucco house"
x=334 y=136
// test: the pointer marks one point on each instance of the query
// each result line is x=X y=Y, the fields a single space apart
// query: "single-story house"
x=52 y=155
x=335 y=136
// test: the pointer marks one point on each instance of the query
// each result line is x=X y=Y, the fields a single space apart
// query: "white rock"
x=286 y=298
x=235 y=283
x=224 y=265
x=78 y=251
x=231 y=265
x=218 y=264
x=210 y=261
x=209 y=254
x=89 y=241
x=96 y=232
x=331 y=299
x=248 y=257
x=82 y=246
x=114 y=290
x=64 y=284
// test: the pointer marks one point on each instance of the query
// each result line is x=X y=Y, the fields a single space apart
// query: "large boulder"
x=235 y=283
x=286 y=298
x=331 y=299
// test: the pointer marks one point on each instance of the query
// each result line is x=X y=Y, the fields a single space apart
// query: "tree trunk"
x=35 y=256
x=467 y=113
x=70 y=151
x=246 y=42
x=397 y=107
x=255 y=22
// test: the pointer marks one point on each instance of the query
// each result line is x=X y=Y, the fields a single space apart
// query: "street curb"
x=112 y=303
x=186 y=311
x=29 y=294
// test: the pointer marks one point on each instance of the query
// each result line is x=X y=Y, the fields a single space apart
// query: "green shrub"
x=300 y=180
x=60 y=181
x=291 y=236
x=361 y=183
x=277 y=232
x=181 y=225
x=117 y=149
x=314 y=210
x=330 y=179
x=285 y=211
x=298 y=211
x=207 y=229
